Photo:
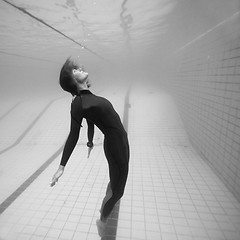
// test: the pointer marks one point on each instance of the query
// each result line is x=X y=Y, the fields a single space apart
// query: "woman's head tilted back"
x=73 y=77
x=66 y=79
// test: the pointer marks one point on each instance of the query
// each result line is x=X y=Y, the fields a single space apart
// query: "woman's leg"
x=117 y=153
x=107 y=196
x=118 y=182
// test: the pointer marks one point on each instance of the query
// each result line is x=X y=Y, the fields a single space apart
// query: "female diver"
x=100 y=112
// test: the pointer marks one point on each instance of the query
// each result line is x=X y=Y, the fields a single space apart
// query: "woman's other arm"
x=90 y=133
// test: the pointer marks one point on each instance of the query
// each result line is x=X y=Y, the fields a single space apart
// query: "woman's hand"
x=90 y=148
x=89 y=151
x=57 y=175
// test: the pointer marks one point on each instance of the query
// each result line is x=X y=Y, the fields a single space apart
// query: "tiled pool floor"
x=171 y=192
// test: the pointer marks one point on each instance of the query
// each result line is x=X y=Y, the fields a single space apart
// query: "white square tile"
x=54 y=233
x=138 y=234
x=124 y=232
x=153 y=235
x=66 y=234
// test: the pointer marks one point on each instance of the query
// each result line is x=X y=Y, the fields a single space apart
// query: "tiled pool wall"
x=206 y=86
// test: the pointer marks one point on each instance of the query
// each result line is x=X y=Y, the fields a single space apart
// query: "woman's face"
x=80 y=75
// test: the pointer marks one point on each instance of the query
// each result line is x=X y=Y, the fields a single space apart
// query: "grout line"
x=208 y=31
x=28 y=129
x=5 y=114
x=6 y=203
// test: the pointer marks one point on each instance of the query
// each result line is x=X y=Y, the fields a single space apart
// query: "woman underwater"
x=100 y=112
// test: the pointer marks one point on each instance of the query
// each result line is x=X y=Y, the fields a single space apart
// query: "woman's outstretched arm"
x=68 y=149
x=71 y=141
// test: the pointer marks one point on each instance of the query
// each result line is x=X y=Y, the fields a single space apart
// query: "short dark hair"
x=66 y=79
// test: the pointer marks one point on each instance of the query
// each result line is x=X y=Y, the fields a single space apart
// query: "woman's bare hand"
x=90 y=148
x=57 y=175
x=89 y=151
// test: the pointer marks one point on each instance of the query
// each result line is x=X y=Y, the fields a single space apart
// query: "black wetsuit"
x=99 y=111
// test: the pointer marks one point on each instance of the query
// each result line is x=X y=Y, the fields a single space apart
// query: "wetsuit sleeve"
x=90 y=133
x=71 y=141
x=76 y=120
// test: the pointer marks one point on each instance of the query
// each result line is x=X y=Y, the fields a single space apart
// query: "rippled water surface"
x=37 y=36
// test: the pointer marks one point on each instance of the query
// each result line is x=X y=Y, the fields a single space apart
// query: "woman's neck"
x=83 y=87
x=86 y=88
